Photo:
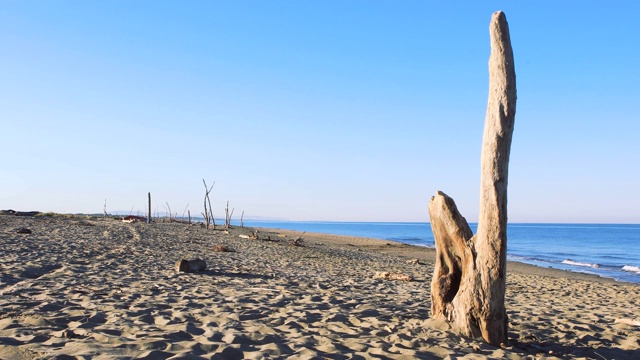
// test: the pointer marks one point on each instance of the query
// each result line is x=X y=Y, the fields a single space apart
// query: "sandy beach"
x=94 y=288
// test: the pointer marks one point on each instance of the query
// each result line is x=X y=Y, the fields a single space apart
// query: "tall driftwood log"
x=468 y=286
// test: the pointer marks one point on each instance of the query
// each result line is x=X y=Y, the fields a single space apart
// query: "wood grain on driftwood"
x=468 y=286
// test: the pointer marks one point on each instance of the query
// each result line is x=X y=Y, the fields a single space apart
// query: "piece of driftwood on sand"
x=469 y=280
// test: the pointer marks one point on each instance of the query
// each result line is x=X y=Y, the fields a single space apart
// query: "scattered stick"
x=392 y=276
x=263 y=289
x=256 y=236
x=298 y=241
x=627 y=322
x=185 y=210
x=133 y=218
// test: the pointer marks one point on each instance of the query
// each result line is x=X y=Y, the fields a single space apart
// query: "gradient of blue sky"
x=315 y=110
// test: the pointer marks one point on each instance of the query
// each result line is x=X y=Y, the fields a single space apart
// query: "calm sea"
x=607 y=250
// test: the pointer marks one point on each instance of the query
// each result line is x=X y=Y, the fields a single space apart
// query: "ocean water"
x=607 y=250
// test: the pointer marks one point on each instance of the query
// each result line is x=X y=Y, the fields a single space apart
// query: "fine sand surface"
x=89 y=288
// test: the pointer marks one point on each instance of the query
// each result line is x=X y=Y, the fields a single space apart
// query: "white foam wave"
x=635 y=269
x=578 y=263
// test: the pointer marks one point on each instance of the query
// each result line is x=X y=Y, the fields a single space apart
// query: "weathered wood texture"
x=468 y=285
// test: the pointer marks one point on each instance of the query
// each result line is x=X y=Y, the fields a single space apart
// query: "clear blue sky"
x=315 y=110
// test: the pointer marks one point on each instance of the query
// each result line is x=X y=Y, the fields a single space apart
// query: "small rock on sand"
x=195 y=265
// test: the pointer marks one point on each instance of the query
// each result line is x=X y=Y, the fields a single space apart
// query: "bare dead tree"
x=149 y=217
x=105 y=207
x=205 y=217
x=169 y=211
x=208 y=212
x=241 y=221
x=185 y=210
x=227 y=216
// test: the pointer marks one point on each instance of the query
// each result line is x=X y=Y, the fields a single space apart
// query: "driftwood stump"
x=468 y=285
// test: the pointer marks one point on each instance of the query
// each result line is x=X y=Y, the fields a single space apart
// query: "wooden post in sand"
x=469 y=280
x=149 y=215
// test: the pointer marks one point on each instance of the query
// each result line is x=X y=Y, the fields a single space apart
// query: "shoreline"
x=106 y=289
x=427 y=253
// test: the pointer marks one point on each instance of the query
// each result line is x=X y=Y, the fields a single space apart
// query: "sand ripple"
x=101 y=289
